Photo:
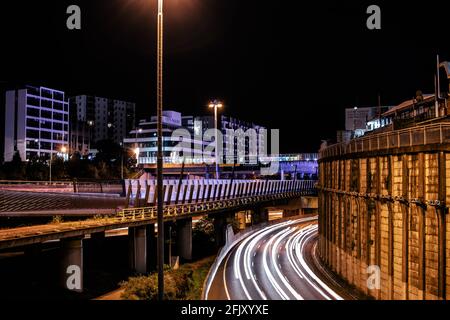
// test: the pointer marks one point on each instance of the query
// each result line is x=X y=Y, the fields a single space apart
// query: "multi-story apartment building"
x=96 y=118
x=36 y=123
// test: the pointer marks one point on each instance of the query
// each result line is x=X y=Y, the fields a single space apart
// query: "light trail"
x=270 y=264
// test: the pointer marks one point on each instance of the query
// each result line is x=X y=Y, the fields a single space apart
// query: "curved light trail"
x=270 y=265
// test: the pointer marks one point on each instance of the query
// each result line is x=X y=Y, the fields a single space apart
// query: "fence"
x=415 y=136
x=143 y=193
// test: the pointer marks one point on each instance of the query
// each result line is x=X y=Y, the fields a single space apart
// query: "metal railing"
x=415 y=136
x=203 y=207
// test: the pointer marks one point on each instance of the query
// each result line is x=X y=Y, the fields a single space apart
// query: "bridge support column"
x=260 y=215
x=138 y=249
x=151 y=247
x=184 y=239
x=72 y=264
x=94 y=248
x=220 y=227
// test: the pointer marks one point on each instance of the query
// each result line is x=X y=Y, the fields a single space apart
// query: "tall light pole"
x=216 y=105
x=159 y=161
x=50 y=167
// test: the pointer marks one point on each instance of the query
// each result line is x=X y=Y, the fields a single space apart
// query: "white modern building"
x=143 y=140
x=36 y=123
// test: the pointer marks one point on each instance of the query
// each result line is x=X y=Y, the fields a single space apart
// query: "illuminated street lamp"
x=159 y=156
x=216 y=105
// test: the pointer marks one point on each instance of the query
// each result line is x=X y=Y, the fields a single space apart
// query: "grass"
x=200 y=271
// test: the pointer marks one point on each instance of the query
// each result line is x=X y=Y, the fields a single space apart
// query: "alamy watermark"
x=73 y=281
x=248 y=147
x=73 y=22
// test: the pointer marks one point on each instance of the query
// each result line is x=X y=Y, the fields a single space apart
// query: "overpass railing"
x=248 y=193
x=415 y=136
x=143 y=192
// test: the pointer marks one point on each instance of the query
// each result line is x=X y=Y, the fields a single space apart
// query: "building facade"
x=36 y=123
x=144 y=138
x=97 y=118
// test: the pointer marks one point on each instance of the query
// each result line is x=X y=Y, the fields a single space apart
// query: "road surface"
x=270 y=264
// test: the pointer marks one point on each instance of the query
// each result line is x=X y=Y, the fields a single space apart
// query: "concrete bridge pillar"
x=260 y=215
x=72 y=264
x=184 y=239
x=95 y=248
x=220 y=226
x=138 y=249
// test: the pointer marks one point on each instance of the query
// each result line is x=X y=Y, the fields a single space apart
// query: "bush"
x=203 y=238
x=185 y=283
x=176 y=285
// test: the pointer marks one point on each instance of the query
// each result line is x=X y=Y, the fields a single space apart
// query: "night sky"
x=283 y=64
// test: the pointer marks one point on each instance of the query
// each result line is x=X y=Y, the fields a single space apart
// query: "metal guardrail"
x=415 y=136
x=199 y=208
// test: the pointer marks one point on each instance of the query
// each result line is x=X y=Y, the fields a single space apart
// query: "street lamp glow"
x=137 y=151
x=63 y=149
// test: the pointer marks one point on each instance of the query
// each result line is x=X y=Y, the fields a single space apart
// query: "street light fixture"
x=216 y=105
x=159 y=161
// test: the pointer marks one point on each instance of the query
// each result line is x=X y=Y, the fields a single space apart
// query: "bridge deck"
x=134 y=217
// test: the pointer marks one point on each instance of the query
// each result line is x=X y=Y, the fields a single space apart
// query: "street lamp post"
x=50 y=167
x=216 y=105
x=159 y=162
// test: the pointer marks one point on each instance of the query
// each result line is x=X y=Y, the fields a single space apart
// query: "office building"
x=36 y=123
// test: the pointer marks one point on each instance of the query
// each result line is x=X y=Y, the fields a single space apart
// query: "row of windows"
x=37 y=113
x=56 y=105
x=42 y=124
x=46 y=135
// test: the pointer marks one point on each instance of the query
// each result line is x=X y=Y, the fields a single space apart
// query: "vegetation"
x=107 y=165
x=185 y=283
x=203 y=238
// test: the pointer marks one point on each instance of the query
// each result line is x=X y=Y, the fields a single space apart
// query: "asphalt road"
x=270 y=264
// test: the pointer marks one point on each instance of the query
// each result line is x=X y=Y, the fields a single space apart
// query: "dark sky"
x=291 y=65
